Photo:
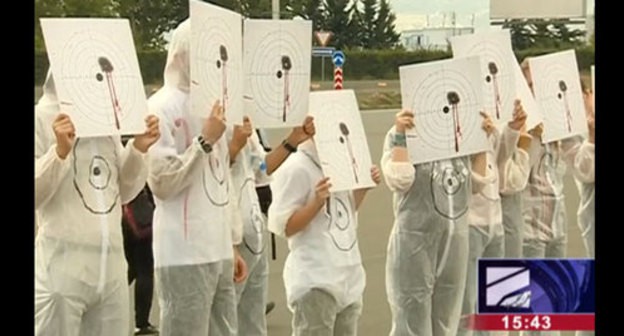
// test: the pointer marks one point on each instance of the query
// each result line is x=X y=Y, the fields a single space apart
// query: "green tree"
x=309 y=10
x=338 y=22
x=68 y=8
x=150 y=20
x=356 y=25
x=521 y=35
x=564 y=36
x=368 y=18
x=385 y=36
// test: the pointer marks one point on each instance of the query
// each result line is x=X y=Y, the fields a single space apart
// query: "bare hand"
x=240 y=267
x=537 y=131
x=143 y=142
x=404 y=120
x=322 y=190
x=241 y=133
x=214 y=126
x=588 y=98
x=304 y=132
x=519 y=116
x=65 y=135
x=488 y=124
x=376 y=174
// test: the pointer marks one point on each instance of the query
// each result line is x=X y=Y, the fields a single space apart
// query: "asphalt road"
x=374 y=228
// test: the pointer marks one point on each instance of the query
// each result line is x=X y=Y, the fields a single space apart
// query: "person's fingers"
x=322 y=181
x=484 y=114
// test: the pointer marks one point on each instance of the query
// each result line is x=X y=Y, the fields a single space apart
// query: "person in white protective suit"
x=428 y=245
x=323 y=274
x=249 y=163
x=545 y=218
x=196 y=226
x=80 y=185
x=585 y=178
x=514 y=176
x=485 y=218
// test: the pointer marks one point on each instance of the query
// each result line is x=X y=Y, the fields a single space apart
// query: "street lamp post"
x=275 y=5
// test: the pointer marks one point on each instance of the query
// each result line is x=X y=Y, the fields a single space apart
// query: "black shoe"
x=269 y=307
x=148 y=330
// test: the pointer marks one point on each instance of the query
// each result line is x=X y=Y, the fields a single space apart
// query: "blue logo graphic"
x=539 y=286
x=338 y=58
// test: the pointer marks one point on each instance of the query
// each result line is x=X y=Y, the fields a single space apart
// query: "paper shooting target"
x=446 y=98
x=557 y=88
x=97 y=75
x=277 y=70
x=216 y=61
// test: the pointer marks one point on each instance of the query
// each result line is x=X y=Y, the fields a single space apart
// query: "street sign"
x=338 y=57
x=323 y=37
x=323 y=51
x=337 y=78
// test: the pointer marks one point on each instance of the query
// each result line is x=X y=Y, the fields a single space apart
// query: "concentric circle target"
x=96 y=176
x=214 y=179
x=558 y=91
x=277 y=71
x=217 y=63
x=100 y=77
x=254 y=238
x=498 y=78
x=442 y=102
x=341 y=228
x=449 y=181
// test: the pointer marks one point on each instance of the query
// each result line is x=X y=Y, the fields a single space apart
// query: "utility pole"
x=275 y=5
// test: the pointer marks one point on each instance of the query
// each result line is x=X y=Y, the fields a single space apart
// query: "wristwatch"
x=204 y=144
x=289 y=147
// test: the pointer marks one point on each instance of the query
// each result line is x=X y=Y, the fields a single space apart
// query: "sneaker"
x=148 y=330
x=269 y=307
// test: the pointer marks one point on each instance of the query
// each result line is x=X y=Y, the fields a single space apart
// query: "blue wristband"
x=399 y=140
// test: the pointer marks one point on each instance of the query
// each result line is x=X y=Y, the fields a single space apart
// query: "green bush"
x=369 y=64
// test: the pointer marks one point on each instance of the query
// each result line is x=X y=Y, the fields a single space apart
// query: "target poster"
x=497 y=69
x=97 y=75
x=557 y=90
x=216 y=61
x=446 y=97
x=340 y=139
x=277 y=60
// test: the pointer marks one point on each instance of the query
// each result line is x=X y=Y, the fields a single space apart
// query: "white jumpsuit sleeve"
x=133 y=172
x=290 y=187
x=508 y=145
x=233 y=214
x=585 y=163
x=170 y=172
x=399 y=176
x=50 y=170
x=514 y=174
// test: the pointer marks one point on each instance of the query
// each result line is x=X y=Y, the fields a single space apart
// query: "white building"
x=432 y=38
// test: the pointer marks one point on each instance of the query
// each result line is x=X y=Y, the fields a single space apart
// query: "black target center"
x=219 y=64
x=559 y=95
x=341 y=139
x=340 y=214
x=450 y=182
x=488 y=79
x=446 y=109
x=279 y=73
x=99 y=77
x=97 y=171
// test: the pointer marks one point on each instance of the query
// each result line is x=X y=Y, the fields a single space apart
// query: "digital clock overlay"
x=536 y=286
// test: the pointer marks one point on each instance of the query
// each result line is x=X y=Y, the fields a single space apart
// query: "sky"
x=413 y=13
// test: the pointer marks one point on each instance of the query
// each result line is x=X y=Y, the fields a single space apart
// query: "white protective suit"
x=252 y=293
x=545 y=218
x=584 y=176
x=81 y=283
x=323 y=273
x=485 y=219
x=195 y=223
x=428 y=245
x=514 y=176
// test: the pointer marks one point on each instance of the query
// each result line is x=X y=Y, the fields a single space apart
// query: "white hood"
x=177 y=68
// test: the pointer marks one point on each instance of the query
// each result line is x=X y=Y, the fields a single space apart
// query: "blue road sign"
x=323 y=51
x=338 y=57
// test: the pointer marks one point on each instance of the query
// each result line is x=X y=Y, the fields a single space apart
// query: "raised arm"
x=53 y=144
x=397 y=169
x=133 y=171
